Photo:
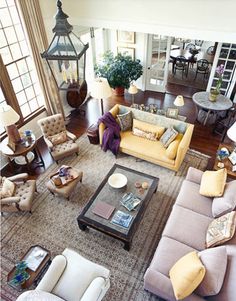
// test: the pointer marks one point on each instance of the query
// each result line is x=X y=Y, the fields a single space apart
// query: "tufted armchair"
x=71 y=277
x=52 y=126
x=23 y=195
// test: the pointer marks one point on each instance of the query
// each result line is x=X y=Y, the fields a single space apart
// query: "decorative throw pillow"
x=221 y=229
x=180 y=127
x=7 y=189
x=148 y=127
x=227 y=202
x=213 y=183
x=186 y=274
x=58 y=138
x=169 y=136
x=125 y=121
x=143 y=134
x=171 y=150
x=215 y=262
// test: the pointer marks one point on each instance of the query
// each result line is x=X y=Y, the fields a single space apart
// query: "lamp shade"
x=179 y=101
x=8 y=116
x=231 y=133
x=100 y=88
x=133 y=89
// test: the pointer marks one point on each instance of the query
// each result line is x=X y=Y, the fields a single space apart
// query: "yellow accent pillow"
x=148 y=127
x=186 y=274
x=221 y=229
x=171 y=150
x=213 y=183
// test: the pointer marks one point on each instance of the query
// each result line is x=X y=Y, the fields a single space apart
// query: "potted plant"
x=216 y=91
x=120 y=70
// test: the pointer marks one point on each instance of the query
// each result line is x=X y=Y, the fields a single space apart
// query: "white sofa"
x=71 y=277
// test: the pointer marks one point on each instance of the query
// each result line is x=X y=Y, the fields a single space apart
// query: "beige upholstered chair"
x=71 y=277
x=23 y=195
x=54 y=125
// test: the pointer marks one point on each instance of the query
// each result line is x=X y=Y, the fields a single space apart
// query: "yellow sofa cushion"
x=171 y=150
x=131 y=144
x=186 y=274
x=213 y=183
x=148 y=127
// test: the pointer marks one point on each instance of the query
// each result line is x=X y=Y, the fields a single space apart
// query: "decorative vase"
x=213 y=95
x=119 y=91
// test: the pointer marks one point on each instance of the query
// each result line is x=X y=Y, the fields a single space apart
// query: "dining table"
x=189 y=57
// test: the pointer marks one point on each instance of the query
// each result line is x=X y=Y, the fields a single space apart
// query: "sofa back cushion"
x=148 y=128
x=215 y=262
x=227 y=202
x=160 y=120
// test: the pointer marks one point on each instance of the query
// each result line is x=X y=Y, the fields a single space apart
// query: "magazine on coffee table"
x=121 y=219
x=103 y=209
x=130 y=201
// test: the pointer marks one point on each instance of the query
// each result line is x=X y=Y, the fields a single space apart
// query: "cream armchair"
x=23 y=195
x=71 y=277
x=54 y=125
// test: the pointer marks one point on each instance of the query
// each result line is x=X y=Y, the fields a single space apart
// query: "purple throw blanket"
x=111 y=136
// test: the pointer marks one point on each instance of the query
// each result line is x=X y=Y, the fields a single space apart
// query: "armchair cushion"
x=58 y=138
x=8 y=189
x=62 y=150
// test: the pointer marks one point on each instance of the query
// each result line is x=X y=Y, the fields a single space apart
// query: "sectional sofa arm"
x=194 y=175
x=53 y=274
x=160 y=285
x=94 y=290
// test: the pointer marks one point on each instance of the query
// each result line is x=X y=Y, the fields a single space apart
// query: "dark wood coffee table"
x=113 y=196
x=34 y=275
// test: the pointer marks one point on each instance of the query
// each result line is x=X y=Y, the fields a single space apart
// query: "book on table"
x=122 y=219
x=103 y=209
x=130 y=201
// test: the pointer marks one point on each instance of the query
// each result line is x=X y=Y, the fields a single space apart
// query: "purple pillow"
x=215 y=262
x=225 y=203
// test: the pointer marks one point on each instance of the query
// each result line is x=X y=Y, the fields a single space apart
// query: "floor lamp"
x=100 y=90
x=133 y=90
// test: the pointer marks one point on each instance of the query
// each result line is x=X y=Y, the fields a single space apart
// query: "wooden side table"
x=227 y=164
x=34 y=275
x=21 y=150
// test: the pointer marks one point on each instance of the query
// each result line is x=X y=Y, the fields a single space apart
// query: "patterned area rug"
x=53 y=222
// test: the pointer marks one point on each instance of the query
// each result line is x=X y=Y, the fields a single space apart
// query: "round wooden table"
x=22 y=149
x=201 y=99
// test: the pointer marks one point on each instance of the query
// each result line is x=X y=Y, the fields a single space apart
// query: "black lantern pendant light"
x=66 y=58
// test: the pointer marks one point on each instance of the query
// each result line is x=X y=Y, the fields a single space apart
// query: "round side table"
x=201 y=99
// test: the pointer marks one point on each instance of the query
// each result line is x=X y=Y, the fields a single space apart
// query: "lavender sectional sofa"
x=184 y=232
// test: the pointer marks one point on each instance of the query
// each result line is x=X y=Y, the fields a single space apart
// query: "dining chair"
x=181 y=64
x=202 y=68
x=190 y=46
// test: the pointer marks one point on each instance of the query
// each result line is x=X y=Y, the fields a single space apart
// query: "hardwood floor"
x=203 y=139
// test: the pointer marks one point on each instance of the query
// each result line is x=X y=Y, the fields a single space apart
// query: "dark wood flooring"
x=203 y=139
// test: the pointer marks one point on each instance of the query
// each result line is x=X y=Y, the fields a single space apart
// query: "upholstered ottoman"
x=67 y=189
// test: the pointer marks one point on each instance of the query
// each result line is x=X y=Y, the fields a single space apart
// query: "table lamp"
x=133 y=90
x=8 y=118
x=100 y=90
x=231 y=133
x=179 y=101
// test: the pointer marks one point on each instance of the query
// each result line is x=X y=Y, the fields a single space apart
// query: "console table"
x=201 y=99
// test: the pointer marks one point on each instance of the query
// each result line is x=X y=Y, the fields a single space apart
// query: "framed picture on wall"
x=172 y=113
x=125 y=36
x=126 y=51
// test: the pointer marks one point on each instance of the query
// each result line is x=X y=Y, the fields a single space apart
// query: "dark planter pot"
x=119 y=91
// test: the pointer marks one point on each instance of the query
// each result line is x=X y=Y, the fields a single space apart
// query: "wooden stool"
x=67 y=189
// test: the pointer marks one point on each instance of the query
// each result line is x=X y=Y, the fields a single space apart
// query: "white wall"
x=211 y=20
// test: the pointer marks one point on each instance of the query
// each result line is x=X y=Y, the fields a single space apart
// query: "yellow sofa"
x=152 y=151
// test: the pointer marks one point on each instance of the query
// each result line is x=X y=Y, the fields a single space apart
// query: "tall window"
x=17 y=59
